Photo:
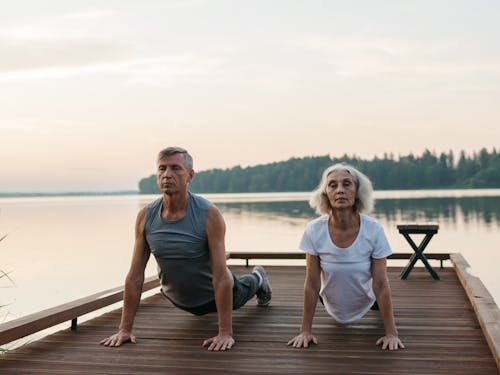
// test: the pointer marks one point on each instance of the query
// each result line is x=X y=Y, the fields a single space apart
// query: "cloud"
x=89 y=23
x=168 y=70
x=23 y=126
x=36 y=55
x=371 y=56
x=88 y=58
x=67 y=42
x=89 y=42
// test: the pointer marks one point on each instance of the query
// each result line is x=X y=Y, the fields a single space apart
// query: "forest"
x=426 y=171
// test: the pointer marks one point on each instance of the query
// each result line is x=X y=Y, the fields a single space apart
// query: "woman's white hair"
x=364 y=190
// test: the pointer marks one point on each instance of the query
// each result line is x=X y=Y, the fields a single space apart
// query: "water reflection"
x=485 y=210
x=288 y=209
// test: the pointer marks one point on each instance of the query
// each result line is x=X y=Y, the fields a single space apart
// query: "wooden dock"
x=436 y=320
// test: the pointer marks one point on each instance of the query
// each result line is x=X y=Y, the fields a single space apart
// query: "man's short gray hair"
x=364 y=190
x=188 y=160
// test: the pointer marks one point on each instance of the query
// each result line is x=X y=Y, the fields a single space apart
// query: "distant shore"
x=67 y=194
x=276 y=196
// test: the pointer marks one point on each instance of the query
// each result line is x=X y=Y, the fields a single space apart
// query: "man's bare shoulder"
x=215 y=221
x=142 y=212
x=141 y=215
x=140 y=222
x=214 y=213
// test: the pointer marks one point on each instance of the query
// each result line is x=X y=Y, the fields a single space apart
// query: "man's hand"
x=302 y=340
x=219 y=342
x=119 y=338
x=390 y=342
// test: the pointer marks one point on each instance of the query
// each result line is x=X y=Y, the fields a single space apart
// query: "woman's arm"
x=311 y=292
x=382 y=292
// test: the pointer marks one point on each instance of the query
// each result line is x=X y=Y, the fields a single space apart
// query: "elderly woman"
x=346 y=254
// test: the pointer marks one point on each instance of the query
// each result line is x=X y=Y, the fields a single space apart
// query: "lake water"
x=62 y=248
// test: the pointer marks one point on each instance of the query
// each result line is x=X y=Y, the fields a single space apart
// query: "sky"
x=90 y=91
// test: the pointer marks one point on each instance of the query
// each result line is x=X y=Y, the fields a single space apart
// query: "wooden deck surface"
x=435 y=320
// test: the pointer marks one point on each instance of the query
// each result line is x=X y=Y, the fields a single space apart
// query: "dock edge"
x=487 y=311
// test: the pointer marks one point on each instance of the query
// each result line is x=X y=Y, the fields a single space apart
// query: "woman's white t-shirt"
x=346 y=278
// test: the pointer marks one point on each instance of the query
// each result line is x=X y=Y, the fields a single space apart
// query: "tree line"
x=426 y=171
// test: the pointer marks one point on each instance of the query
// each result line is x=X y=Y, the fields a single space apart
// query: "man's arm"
x=382 y=292
x=216 y=230
x=133 y=286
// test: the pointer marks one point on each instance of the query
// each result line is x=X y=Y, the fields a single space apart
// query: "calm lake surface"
x=62 y=248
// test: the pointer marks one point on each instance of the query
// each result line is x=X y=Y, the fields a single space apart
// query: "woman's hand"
x=302 y=340
x=390 y=342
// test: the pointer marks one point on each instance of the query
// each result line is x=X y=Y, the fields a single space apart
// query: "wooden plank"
x=24 y=326
x=483 y=303
x=301 y=255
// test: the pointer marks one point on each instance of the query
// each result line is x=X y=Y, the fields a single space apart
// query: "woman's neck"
x=344 y=228
x=344 y=219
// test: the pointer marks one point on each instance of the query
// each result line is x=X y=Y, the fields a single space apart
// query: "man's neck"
x=174 y=205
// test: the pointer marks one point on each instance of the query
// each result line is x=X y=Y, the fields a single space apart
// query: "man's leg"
x=245 y=287
x=250 y=285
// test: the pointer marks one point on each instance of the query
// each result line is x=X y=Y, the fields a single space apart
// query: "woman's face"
x=341 y=190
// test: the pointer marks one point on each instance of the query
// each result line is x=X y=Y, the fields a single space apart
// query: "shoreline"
x=293 y=195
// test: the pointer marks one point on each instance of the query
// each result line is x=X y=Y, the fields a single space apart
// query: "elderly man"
x=185 y=233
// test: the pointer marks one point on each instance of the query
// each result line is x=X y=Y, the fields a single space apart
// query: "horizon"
x=92 y=91
x=137 y=191
x=384 y=194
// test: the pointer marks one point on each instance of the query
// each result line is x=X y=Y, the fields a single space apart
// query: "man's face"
x=172 y=175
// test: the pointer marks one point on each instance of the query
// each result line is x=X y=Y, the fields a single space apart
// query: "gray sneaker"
x=265 y=292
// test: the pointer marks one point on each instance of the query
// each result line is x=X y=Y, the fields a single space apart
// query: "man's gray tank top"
x=181 y=251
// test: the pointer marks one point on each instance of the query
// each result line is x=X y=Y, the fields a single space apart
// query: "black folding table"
x=428 y=230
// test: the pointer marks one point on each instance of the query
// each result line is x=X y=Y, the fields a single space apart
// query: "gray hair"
x=188 y=160
x=364 y=190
